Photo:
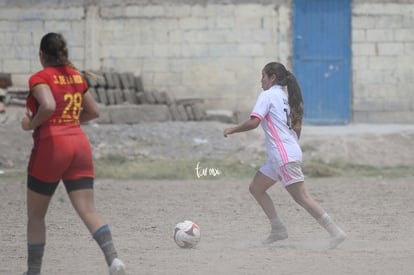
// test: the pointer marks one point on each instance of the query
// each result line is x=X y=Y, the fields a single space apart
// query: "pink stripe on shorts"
x=289 y=173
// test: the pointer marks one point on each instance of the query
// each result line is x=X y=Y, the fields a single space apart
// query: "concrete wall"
x=213 y=49
x=383 y=58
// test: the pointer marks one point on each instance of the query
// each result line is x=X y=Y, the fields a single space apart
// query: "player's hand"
x=227 y=131
x=26 y=119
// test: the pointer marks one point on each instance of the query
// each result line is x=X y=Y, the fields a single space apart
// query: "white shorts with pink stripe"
x=289 y=173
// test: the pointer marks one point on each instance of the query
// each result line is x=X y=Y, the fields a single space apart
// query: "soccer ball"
x=186 y=234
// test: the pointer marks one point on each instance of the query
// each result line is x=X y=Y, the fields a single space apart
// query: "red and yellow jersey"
x=68 y=87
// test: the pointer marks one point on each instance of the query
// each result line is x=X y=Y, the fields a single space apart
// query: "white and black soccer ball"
x=186 y=234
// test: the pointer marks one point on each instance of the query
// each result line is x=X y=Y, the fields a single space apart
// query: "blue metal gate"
x=322 y=50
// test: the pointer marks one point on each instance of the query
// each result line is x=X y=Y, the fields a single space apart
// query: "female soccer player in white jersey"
x=280 y=115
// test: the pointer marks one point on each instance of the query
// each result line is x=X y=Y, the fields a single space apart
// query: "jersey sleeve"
x=36 y=79
x=262 y=107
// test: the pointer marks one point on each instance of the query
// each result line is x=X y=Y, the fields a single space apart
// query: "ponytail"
x=295 y=101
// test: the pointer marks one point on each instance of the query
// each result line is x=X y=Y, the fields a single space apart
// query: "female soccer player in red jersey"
x=57 y=104
x=280 y=115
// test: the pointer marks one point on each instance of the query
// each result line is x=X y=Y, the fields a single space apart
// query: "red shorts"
x=61 y=157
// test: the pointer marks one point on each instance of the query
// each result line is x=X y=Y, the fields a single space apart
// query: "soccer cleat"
x=117 y=267
x=276 y=236
x=337 y=239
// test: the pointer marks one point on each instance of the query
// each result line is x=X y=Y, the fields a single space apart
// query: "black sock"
x=104 y=239
x=34 y=259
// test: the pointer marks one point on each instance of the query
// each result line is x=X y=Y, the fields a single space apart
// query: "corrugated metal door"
x=321 y=59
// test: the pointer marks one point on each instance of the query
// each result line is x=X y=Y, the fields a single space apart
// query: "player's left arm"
x=250 y=124
x=47 y=106
x=89 y=108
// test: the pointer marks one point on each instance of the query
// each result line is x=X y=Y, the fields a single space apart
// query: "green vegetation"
x=13 y=174
x=114 y=166
x=119 y=167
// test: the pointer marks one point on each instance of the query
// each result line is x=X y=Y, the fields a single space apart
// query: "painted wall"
x=383 y=56
x=213 y=49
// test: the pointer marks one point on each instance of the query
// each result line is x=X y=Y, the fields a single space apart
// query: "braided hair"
x=286 y=78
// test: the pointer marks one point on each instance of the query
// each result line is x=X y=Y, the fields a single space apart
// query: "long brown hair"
x=55 y=52
x=286 y=78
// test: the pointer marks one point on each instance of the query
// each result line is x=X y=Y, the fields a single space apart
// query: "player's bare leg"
x=83 y=202
x=300 y=194
x=258 y=189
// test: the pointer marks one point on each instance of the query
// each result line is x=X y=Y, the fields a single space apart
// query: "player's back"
x=67 y=87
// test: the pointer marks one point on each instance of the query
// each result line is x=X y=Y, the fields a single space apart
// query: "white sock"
x=276 y=223
x=326 y=222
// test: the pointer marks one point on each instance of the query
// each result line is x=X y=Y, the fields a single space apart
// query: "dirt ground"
x=376 y=212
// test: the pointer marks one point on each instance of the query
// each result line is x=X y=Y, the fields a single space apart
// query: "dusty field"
x=376 y=212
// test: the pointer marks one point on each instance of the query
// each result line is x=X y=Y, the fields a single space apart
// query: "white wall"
x=383 y=58
x=213 y=49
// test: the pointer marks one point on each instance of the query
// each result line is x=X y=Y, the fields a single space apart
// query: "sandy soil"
x=377 y=213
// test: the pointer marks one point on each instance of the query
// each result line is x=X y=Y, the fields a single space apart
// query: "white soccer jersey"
x=273 y=110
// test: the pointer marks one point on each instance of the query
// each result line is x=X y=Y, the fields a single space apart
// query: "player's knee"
x=35 y=216
x=254 y=190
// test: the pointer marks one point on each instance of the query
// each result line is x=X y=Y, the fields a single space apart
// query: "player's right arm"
x=47 y=106
x=250 y=124
x=89 y=108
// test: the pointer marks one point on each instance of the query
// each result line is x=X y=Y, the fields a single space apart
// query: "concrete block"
x=175 y=115
x=404 y=35
x=383 y=62
x=390 y=48
x=16 y=65
x=198 y=112
x=189 y=111
x=104 y=115
x=226 y=116
x=190 y=23
x=110 y=93
x=138 y=84
x=119 y=96
x=363 y=49
x=378 y=35
x=132 y=114
x=130 y=96
x=110 y=83
x=124 y=79
x=364 y=22
x=149 y=97
x=141 y=98
x=159 y=99
x=103 y=98
x=167 y=98
x=182 y=112
x=358 y=35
